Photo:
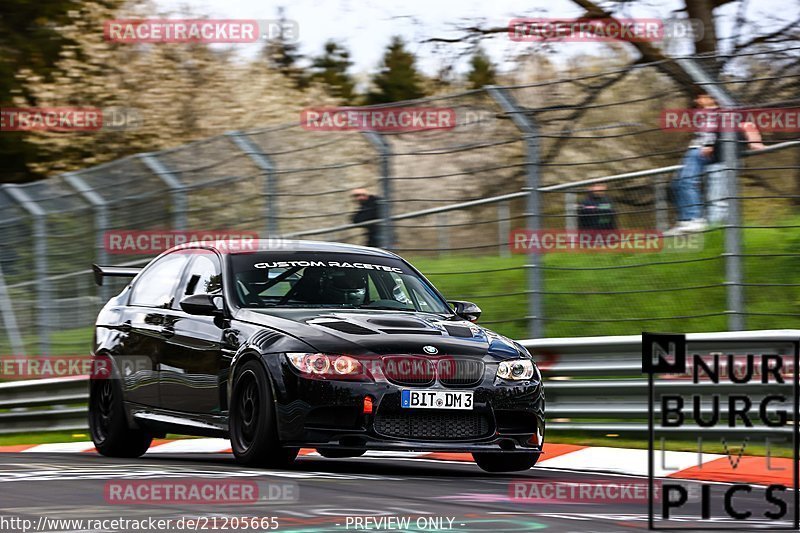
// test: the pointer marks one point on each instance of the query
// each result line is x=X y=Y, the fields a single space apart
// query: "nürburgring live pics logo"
x=738 y=394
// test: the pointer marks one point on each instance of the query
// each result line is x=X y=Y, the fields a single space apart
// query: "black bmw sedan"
x=307 y=344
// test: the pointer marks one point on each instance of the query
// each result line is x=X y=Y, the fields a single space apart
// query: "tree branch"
x=649 y=53
x=766 y=37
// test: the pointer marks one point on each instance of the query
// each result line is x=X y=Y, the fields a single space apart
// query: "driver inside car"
x=340 y=286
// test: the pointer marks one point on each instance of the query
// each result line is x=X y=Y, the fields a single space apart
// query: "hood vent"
x=405 y=323
x=458 y=331
x=398 y=331
x=346 y=327
x=264 y=336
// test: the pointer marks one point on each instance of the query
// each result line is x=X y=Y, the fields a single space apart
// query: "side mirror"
x=466 y=310
x=201 y=304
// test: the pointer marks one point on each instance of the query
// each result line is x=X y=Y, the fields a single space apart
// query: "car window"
x=204 y=275
x=156 y=286
x=372 y=290
x=400 y=290
x=331 y=280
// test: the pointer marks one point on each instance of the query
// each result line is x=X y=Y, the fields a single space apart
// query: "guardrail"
x=55 y=404
x=593 y=385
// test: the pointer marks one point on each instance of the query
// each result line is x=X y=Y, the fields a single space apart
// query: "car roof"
x=279 y=244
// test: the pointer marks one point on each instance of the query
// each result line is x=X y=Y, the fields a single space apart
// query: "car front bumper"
x=506 y=416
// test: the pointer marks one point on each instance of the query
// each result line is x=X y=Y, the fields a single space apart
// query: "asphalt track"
x=326 y=493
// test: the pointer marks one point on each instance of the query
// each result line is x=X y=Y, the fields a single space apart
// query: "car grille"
x=459 y=372
x=433 y=426
x=408 y=370
x=421 y=370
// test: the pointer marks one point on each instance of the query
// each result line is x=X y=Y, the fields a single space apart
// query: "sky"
x=365 y=26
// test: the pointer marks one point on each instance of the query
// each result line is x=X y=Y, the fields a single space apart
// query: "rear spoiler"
x=101 y=272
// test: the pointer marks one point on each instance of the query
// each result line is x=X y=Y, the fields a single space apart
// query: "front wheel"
x=254 y=433
x=108 y=425
x=505 y=462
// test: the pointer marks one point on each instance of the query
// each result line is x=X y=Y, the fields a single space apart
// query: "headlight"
x=326 y=365
x=516 y=369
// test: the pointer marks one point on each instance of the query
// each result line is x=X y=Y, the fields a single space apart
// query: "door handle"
x=167 y=331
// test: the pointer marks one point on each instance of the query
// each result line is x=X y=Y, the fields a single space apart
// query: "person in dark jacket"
x=367 y=210
x=595 y=212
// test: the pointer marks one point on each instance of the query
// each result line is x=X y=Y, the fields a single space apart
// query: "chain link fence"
x=519 y=157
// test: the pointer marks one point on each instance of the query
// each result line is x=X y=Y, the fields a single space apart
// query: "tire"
x=505 y=462
x=254 y=433
x=333 y=453
x=108 y=424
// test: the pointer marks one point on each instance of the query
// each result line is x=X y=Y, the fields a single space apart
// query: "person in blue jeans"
x=703 y=158
x=686 y=185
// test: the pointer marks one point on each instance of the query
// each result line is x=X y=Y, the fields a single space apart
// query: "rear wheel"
x=334 y=453
x=505 y=462
x=254 y=433
x=108 y=425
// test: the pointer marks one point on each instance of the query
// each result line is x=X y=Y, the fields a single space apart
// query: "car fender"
x=266 y=346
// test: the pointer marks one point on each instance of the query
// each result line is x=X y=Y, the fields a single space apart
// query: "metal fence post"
x=9 y=318
x=733 y=236
x=100 y=207
x=503 y=228
x=660 y=201
x=267 y=167
x=733 y=230
x=531 y=136
x=43 y=300
x=571 y=219
x=180 y=205
x=386 y=238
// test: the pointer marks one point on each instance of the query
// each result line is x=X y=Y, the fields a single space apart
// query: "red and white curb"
x=625 y=461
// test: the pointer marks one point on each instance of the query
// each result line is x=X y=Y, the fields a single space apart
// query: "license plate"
x=423 y=399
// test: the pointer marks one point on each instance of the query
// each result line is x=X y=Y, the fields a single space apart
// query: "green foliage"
x=283 y=53
x=482 y=71
x=178 y=93
x=331 y=67
x=30 y=38
x=398 y=77
x=501 y=293
x=498 y=285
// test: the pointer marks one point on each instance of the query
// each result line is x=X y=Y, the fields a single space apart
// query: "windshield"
x=324 y=279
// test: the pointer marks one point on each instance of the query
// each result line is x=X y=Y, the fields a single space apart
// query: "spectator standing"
x=704 y=157
x=367 y=210
x=595 y=212
x=686 y=185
